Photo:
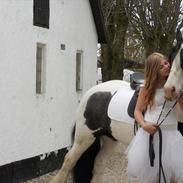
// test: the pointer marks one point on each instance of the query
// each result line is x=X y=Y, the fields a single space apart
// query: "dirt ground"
x=110 y=167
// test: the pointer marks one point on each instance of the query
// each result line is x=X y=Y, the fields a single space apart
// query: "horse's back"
x=109 y=87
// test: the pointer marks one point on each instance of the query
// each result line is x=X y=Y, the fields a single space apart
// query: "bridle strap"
x=161 y=113
x=159 y=123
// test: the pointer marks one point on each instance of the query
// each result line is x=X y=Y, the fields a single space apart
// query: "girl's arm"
x=140 y=106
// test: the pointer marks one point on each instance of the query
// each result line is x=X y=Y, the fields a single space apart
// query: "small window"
x=41 y=13
x=40 y=68
x=79 y=70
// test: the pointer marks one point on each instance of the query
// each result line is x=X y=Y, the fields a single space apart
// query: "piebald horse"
x=174 y=84
x=92 y=117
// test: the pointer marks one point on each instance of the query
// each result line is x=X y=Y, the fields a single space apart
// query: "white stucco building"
x=48 y=60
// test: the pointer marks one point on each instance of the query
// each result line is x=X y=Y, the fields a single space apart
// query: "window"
x=41 y=13
x=40 y=68
x=79 y=70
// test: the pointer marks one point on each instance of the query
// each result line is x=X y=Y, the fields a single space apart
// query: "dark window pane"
x=41 y=13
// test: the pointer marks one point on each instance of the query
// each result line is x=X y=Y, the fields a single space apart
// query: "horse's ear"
x=179 y=36
x=181 y=58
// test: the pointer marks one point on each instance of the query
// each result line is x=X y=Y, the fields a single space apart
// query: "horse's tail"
x=82 y=172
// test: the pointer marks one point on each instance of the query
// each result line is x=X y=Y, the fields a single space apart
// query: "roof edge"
x=99 y=20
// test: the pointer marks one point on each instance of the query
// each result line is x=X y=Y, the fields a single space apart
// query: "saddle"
x=136 y=81
x=117 y=106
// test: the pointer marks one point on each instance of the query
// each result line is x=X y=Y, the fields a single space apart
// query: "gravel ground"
x=46 y=178
x=42 y=179
x=109 y=167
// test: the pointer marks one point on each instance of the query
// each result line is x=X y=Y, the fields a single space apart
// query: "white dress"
x=172 y=148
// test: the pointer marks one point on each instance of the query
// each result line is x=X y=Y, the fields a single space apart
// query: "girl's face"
x=164 y=68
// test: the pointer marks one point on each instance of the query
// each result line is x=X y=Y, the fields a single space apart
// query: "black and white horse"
x=93 y=122
x=174 y=84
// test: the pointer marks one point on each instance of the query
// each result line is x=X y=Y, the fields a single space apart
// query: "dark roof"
x=99 y=21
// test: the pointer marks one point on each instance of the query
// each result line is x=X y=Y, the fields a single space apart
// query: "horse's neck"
x=179 y=113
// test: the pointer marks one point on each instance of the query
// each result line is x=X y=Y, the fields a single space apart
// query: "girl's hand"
x=150 y=128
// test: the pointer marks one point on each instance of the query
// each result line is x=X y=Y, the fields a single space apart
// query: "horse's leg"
x=82 y=171
x=106 y=152
x=80 y=145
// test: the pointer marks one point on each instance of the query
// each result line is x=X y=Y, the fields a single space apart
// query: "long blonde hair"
x=152 y=67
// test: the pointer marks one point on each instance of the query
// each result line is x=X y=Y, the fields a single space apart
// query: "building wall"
x=32 y=124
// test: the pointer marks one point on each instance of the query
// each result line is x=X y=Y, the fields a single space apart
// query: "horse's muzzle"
x=170 y=93
x=174 y=96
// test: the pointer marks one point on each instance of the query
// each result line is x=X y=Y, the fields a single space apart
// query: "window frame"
x=40 y=68
x=79 y=70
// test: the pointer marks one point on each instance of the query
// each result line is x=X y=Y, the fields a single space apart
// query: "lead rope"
x=151 y=146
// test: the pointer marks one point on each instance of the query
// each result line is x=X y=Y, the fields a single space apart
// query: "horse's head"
x=174 y=83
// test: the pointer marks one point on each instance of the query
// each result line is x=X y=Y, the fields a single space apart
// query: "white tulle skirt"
x=172 y=155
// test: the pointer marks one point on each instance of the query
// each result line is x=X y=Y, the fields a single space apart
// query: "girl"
x=151 y=100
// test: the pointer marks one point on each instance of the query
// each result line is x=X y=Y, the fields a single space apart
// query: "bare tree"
x=134 y=49
x=136 y=28
x=155 y=22
x=116 y=22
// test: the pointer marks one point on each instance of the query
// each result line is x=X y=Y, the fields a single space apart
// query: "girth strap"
x=152 y=154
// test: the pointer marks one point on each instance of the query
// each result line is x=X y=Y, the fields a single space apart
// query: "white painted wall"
x=31 y=124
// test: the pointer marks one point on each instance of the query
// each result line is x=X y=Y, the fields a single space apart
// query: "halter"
x=151 y=146
x=177 y=48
